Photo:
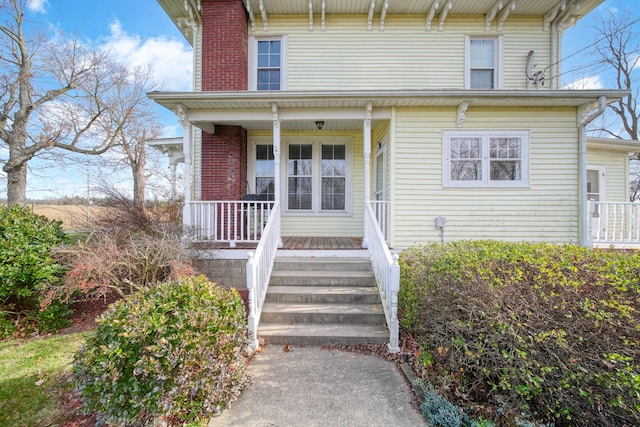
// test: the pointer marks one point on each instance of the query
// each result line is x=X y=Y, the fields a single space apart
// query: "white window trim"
x=317 y=176
x=602 y=183
x=498 y=60
x=381 y=153
x=251 y=161
x=485 y=135
x=252 y=63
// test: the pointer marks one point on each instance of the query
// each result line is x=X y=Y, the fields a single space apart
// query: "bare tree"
x=141 y=126
x=618 y=49
x=55 y=93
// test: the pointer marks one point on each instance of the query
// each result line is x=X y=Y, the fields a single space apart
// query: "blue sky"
x=139 y=32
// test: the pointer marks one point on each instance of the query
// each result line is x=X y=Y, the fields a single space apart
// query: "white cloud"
x=38 y=6
x=170 y=60
x=589 y=82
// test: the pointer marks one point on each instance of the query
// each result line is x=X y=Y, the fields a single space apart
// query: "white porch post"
x=367 y=161
x=276 y=152
x=186 y=149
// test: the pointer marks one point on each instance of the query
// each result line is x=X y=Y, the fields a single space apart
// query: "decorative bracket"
x=443 y=15
x=505 y=14
x=488 y=17
x=461 y=113
x=263 y=13
x=432 y=12
x=372 y=7
x=181 y=112
x=252 y=17
x=383 y=14
x=553 y=14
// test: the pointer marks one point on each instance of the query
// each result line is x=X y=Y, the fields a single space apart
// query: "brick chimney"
x=224 y=68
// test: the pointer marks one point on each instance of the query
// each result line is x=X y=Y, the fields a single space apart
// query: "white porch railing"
x=381 y=211
x=229 y=221
x=259 y=267
x=387 y=272
x=615 y=223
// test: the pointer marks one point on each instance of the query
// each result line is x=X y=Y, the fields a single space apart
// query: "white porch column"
x=187 y=136
x=367 y=161
x=276 y=152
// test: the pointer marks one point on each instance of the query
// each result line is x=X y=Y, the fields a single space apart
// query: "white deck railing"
x=259 y=267
x=229 y=221
x=387 y=272
x=615 y=223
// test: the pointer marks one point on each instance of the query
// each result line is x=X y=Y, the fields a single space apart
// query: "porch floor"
x=295 y=243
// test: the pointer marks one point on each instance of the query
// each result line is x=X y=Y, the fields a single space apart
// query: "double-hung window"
x=483 y=63
x=267 y=59
x=486 y=158
x=318 y=177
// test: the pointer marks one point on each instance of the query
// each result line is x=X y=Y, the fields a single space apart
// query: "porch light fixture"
x=319 y=124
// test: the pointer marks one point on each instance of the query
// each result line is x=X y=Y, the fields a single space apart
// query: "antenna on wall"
x=538 y=77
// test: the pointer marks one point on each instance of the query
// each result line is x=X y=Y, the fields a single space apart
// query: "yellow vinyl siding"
x=547 y=210
x=404 y=56
x=615 y=165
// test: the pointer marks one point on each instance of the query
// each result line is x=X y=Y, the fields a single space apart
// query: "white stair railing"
x=381 y=211
x=229 y=221
x=259 y=267
x=387 y=272
x=615 y=223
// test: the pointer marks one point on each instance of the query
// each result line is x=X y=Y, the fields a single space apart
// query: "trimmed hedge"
x=509 y=328
x=174 y=352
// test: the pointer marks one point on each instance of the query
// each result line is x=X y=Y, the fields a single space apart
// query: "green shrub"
x=551 y=331
x=27 y=266
x=172 y=352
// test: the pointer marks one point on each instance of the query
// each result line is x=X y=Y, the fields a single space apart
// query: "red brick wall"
x=224 y=163
x=224 y=45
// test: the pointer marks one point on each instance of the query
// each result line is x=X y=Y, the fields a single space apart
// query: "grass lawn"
x=33 y=377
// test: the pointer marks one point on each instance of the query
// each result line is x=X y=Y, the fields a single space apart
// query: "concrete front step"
x=323 y=294
x=321 y=334
x=321 y=264
x=322 y=278
x=322 y=313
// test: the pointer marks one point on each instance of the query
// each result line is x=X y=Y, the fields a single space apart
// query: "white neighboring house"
x=614 y=219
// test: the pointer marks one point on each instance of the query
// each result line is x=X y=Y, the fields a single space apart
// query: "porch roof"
x=344 y=110
x=624 y=145
x=384 y=99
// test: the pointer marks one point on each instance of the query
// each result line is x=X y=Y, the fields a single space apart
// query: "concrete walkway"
x=309 y=386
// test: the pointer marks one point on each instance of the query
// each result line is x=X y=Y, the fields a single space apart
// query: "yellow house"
x=393 y=122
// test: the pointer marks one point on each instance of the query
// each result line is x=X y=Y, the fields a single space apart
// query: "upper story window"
x=269 y=56
x=267 y=59
x=486 y=159
x=483 y=63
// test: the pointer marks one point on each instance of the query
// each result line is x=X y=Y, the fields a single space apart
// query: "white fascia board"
x=625 y=145
x=230 y=115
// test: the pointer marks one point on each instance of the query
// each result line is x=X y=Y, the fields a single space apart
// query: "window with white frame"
x=267 y=59
x=318 y=177
x=483 y=63
x=486 y=158
x=264 y=172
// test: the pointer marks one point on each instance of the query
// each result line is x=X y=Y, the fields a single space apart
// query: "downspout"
x=585 y=116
